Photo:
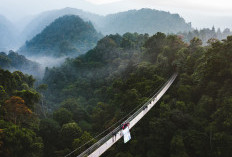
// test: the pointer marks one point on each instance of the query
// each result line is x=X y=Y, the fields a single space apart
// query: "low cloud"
x=48 y=61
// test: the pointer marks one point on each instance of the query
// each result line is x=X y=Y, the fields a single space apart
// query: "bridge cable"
x=119 y=121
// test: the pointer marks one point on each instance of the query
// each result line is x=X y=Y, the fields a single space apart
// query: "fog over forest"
x=79 y=74
x=23 y=19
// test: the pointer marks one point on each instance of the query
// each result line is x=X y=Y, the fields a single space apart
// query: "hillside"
x=121 y=72
x=15 y=62
x=141 y=21
x=18 y=115
x=7 y=34
x=206 y=34
x=66 y=36
x=144 y=21
x=44 y=19
x=92 y=92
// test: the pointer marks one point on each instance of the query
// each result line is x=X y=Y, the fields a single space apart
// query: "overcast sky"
x=202 y=13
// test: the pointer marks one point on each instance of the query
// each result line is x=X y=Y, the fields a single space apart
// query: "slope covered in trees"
x=13 y=61
x=93 y=91
x=193 y=118
x=44 y=19
x=18 y=120
x=141 y=21
x=22 y=131
x=206 y=34
x=144 y=21
x=66 y=36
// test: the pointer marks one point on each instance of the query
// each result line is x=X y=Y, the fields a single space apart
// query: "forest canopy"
x=68 y=35
x=89 y=93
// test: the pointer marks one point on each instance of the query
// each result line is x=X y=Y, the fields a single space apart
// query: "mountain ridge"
x=68 y=35
x=102 y=23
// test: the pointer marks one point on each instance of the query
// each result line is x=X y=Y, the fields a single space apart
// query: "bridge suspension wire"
x=119 y=121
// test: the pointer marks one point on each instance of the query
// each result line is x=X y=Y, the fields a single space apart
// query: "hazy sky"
x=202 y=13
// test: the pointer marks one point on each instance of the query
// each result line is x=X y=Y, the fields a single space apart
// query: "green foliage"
x=49 y=130
x=206 y=35
x=178 y=147
x=18 y=84
x=14 y=61
x=69 y=132
x=93 y=91
x=84 y=142
x=194 y=117
x=30 y=97
x=62 y=116
x=18 y=141
x=66 y=36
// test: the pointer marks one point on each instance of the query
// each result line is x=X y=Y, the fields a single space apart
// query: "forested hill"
x=102 y=86
x=44 y=19
x=18 y=115
x=206 y=34
x=141 y=21
x=66 y=36
x=13 y=61
x=93 y=91
x=144 y=21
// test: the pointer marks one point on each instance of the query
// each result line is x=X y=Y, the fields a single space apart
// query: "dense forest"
x=67 y=36
x=87 y=94
x=206 y=34
x=149 y=21
x=13 y=62
x=19 y=122
x=39 y=23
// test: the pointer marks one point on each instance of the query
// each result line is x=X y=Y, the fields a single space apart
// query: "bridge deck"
x=106 y=142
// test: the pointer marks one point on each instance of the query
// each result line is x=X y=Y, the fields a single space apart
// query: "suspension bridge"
x=111 y=138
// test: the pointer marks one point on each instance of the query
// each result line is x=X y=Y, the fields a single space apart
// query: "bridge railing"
x=149 y=101
x=117 y=129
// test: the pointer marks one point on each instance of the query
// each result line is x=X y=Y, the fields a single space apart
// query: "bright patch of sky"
x=103 y=1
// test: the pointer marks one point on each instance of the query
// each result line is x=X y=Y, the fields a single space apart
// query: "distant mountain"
x=46 y=18
x=141 y=21
x=13 y=61
x=144 y=21
x=66 y=36
x=7 y=34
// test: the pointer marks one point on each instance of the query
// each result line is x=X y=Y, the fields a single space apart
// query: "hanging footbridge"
x=111 y=138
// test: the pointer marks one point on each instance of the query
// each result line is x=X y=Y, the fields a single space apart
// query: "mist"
x=200 y=13
x=48 y=61
x=19 y=14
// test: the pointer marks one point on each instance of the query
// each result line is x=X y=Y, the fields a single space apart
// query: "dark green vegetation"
x=93 y=91
x=13 y=61
x=19 y=123
x=44 y=19
x=66 y=36
x=206 y=34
